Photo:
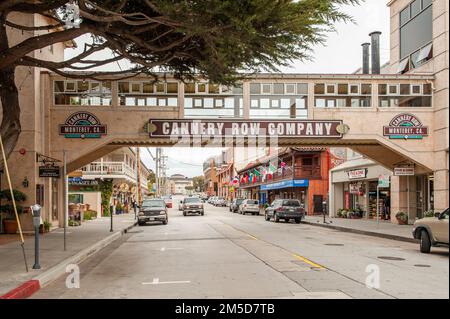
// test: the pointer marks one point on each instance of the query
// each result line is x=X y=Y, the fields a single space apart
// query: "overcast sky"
x=341 y=54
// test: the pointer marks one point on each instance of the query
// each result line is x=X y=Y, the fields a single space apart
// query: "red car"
x=168 y=201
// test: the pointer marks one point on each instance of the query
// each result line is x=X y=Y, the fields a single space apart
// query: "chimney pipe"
x=365 y=58
x=375 y=36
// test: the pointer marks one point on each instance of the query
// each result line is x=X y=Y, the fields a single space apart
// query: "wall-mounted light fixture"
x=25 y=182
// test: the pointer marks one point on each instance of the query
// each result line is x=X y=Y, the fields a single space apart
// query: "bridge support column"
x=403 y=191
x=441 y=189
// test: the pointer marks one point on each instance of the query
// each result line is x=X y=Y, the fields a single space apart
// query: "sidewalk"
x=81 y=242
x=384 y=229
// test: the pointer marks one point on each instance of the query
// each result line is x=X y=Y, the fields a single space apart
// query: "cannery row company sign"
x=82 y=125
x=405 y=126
x=244 y=128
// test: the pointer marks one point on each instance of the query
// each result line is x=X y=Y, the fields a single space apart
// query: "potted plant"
x=402 y=218
x=429 y=213
x=10 y=225
x=119 y=208
x=47 y=226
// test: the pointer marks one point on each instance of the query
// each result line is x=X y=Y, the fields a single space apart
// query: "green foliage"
x=199 y=183
x=47 y=225
x=106 y=189
x=89 y=215
x=9 y=208
x=402 y=216
x=18 y=195
x=74 y=222
x=429 y=213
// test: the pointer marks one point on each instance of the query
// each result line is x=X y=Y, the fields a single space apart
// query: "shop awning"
x=286 y=184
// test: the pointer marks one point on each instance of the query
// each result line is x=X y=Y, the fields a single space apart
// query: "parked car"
x=249 y=206
x=234 y=206
x=432 y=231
x=211 y=199
x=220 y=201
x=153 y=210
x=286 y=209
x=193 y=205
x=168 y=201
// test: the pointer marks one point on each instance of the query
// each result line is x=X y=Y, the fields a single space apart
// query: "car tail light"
x=279 y=209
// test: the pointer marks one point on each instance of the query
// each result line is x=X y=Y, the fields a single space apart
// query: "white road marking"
x=61 y=232
x=157 y=282
x=170 y=248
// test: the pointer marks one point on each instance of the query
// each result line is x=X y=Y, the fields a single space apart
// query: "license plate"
x=291 y=210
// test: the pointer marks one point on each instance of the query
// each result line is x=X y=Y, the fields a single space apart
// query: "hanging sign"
x=404 y=171
x=49 y=171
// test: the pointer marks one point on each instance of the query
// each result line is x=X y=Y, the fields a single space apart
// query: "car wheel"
x=286 y=220
x=165 y=222
x=257 y=214
x=184 y=214
x=298 y=220
x=141 y=223
x=202 y=213
x=425 y=243
x=277 y=219
x=266 y=217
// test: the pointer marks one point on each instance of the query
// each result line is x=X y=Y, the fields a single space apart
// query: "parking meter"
x=36 y=211
x=324 y=208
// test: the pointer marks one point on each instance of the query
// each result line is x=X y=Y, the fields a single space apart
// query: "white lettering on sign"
x=357 y=173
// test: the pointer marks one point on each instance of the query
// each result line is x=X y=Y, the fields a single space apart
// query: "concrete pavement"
x=383 y=229
x=226 y=255
x=81 y=242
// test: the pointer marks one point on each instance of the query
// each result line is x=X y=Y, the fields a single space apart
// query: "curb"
x=30 y=287
x=364 y=232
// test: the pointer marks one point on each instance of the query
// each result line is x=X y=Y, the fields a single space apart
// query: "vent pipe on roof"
x=365 y=58
x=375 y=36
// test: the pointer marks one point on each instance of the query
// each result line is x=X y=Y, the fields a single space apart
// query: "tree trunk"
x=9 y=96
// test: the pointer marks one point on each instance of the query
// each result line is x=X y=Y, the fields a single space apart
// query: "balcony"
x=111 y=170
x=296 y=172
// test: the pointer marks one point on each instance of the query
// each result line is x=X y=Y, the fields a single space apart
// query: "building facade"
x=121 y=167
x=292 y=173
x=180 y=184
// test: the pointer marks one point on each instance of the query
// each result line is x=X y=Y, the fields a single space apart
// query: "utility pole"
x=138 y=181
x=157 y=172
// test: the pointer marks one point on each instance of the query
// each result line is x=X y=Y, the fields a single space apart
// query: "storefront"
x=353 y=187
x=287 y=189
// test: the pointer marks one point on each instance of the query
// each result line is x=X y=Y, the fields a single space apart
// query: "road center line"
x=170 y=248
x=309 y=262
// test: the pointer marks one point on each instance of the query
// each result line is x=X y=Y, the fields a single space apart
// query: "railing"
x=109 y=168
x=307 y=171
x=298 y=171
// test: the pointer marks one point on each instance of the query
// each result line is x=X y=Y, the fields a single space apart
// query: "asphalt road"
x=226 y=255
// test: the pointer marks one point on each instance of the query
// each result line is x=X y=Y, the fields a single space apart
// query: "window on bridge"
x=404 y=95
x=204 y=99
x=278 y=100
x=146 y=93
x=71 y=92
x=332 y=95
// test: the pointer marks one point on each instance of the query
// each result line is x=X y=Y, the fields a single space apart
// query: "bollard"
x=36 y=210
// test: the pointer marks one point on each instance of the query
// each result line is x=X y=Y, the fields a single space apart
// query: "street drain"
x=334 y=244
x=391 y=258
x=419 y=265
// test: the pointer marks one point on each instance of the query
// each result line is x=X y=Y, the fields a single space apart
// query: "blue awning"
x=286 y=184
